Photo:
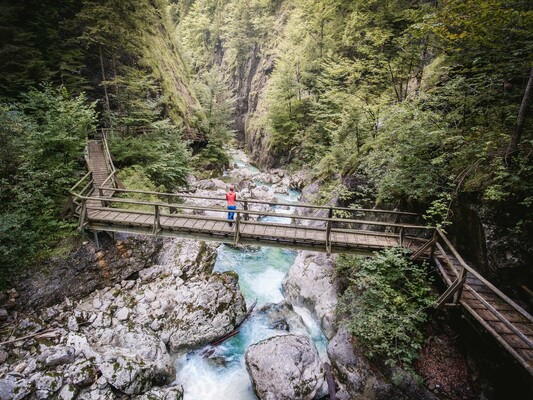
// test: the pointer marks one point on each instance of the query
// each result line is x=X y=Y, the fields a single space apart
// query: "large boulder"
x=204 y=310
x=350 y=366
x=192 y=257
x=211 y=184
x=138 y=349
x=14 y=388
x=282 y=317
x=311 y=282
x=286 y=367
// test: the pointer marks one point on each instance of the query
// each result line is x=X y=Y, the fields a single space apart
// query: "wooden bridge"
x=101 y=203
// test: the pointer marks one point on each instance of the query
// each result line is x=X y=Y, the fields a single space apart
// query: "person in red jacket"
x=231 y=197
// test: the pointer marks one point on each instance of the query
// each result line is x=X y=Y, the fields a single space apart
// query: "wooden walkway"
x=102 y=204
x=509 y=324
x=245 y=232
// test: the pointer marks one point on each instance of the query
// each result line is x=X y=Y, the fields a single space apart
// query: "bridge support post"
x=96 y=241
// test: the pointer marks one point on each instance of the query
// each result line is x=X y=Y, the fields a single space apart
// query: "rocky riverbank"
x=121 y=339
x=109 y=323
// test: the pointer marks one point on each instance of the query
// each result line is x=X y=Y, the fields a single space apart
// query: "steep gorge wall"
x=249 y=82
x=248 y=78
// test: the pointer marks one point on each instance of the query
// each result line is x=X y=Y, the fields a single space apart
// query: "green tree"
x=48 y=130
x=385 y=304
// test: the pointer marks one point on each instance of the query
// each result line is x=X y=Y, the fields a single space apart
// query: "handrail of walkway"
x=253 y=201
x=109 y=161
x=458 y=285
x=476 y=274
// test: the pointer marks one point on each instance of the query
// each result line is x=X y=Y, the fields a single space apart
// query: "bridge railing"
x=81 y=189
x=112 y=179
x=247 y=203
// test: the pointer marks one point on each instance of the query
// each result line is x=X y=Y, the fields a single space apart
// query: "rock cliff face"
x=249 y=82
x=87 y=270
x=483 y=235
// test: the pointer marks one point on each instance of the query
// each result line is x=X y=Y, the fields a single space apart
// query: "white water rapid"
x=261 y=270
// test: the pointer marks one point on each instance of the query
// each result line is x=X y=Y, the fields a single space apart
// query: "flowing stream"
x=261 y=270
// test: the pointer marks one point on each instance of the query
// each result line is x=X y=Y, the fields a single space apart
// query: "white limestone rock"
x=68 y=392
x=286 y=367
x=47 y=383
x=167 y=393
x=81 y=373
x=14 y=388
x=122 y=314
x=204 y=310
x=311 y=282
x=131 y=360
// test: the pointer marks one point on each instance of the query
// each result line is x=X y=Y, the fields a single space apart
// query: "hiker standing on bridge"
x=231 y=197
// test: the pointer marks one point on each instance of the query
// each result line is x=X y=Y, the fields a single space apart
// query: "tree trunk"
x=521 y=119
x=115 y=77
x=105 y=85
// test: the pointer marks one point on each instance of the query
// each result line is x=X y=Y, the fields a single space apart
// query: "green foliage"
x=136 y=178
x=46 y=135
x=161 y=154
x=37 y=46
x=218 y=106
x=384 y=304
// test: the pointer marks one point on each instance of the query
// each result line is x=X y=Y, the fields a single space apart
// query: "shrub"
x=384 y=304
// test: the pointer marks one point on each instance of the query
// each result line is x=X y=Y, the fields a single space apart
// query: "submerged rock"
x=281 y=316
x=286 y=367
x=311 y=282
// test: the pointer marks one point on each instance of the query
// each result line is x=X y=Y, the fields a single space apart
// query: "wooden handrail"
x=71 y=190
x=481 y=278
x=247 y=200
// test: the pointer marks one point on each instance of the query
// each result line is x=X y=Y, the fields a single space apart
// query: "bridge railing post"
x=157 y=221
x=83 y=215
x=237 y=228
x=459 y=292
x=434 y=239
x=245 y=208
x=328 y=230
x=401 y=236
x=171 y=210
